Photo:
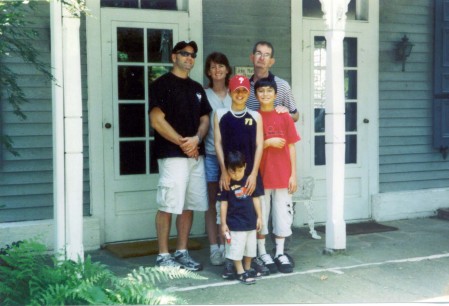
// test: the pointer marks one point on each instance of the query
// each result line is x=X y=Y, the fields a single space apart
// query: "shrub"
x=29 y=276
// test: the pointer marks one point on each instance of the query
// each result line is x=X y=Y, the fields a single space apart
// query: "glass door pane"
x=319 y=98
x=142 y=55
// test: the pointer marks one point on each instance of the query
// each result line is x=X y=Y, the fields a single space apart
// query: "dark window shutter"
x=441 y=81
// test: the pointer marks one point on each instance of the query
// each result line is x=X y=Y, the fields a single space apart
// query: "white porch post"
x=67 y=130
x=335 y=19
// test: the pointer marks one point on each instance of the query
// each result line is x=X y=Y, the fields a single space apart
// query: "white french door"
x=136 y=47
x=360 y=113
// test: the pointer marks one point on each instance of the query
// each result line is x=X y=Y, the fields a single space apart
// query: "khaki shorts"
x=281 y=212
x=243 y=243
x=182 y=185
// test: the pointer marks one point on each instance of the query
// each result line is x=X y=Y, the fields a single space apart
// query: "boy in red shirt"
x=278 y=171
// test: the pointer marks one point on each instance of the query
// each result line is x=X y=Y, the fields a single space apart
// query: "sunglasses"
x=185 y=54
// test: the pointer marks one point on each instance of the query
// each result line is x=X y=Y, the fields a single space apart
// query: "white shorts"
x=243 y=243
x=281 y=212
x=182 y=185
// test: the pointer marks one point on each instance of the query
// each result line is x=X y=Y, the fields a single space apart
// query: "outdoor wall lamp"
x=403 y=50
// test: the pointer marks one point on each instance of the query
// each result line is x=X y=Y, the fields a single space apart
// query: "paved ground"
x=407 y=265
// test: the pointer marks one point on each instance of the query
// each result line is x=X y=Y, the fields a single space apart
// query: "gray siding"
x=233 y=26
x=407 y=159
x=26 y=181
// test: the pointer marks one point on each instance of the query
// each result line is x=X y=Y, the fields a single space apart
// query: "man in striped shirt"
x=262 y=58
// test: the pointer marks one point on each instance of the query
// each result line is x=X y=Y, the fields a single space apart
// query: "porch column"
x=67 y=130
x=335 y=19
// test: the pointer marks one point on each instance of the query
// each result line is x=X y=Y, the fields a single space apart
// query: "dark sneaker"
x=258 y=265
x=187 y=262
x=166 y=261
x=268 y=262
x=283 y=263
x=229 y=270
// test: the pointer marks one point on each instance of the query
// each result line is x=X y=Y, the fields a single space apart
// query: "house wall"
x=411 y=171
x=414 y=177
x=407 y=159
x=26 y=181
x=233 y=26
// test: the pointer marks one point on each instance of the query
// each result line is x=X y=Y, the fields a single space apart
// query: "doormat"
x=362 y=228
x=145 y=248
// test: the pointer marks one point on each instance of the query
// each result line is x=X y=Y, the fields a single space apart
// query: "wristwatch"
x=199 y=138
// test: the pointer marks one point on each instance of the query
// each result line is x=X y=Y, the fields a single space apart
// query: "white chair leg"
x=311 y=221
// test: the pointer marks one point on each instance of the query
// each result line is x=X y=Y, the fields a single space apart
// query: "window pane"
x=132 y=157
x=156 y=71
x=319 y=70
x=319 y=120
x=160 y=44
x=351 y=117
x=350 y=52
x=159 y=4
x=120 y=3
x=320 y=153
x=130 y=83
x=357 y=10
x=351 y=84
x=132 y=120
x=129 y=45
x=351 y=149
x=145 y=4
x=154 y=167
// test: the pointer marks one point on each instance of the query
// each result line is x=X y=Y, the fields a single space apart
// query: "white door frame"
x=95 y=106
x=368 y=54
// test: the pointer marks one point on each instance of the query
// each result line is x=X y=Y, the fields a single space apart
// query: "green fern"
x=30 y=277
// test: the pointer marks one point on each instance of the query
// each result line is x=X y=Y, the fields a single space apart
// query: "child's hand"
x=259 y=224
x=224 y=229
x=276 y=142
x=292 y=185
x=251 y=184
x=225 y=181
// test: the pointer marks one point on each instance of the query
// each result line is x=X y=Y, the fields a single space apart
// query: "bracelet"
x=199 y=138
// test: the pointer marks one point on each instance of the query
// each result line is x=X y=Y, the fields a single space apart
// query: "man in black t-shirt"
x=179 y=113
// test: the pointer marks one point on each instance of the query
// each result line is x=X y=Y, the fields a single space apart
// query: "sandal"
x=245 y=278
x=253 y=273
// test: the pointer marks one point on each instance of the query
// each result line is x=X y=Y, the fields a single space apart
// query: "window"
x=441 y=86
x=357 y=9
x=143 y=4
x=351 y=98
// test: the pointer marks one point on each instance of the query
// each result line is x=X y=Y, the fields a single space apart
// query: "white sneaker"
x=314 y=234
x=216 y=257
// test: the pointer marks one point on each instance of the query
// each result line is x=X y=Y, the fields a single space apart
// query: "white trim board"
x=43 y=230
x=408 y=204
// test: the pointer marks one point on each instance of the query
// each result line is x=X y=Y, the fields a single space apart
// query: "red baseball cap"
x=238 y=81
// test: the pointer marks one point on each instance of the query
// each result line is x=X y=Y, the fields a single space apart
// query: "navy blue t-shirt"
x=239 y=134
x=184 y=102
x=241 y=214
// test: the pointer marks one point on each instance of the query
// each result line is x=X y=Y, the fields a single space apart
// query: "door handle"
x=365 y=120
x=107 y=125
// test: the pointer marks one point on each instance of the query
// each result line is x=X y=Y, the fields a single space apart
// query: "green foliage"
x=16 y=33
x=28 y=276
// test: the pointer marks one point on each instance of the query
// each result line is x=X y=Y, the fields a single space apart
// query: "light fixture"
x=403 y=50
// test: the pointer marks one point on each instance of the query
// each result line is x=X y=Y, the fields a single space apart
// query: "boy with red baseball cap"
x=239 y=129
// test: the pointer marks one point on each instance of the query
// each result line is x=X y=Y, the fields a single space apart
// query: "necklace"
x=240 y=115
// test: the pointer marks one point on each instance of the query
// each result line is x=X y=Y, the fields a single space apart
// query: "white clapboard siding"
x=26 y=182
x=407 y=159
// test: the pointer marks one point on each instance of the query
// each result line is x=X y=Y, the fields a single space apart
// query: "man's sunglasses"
x=185 y=54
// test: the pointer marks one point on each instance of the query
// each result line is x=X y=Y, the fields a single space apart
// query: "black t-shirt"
x=183 y=101
x=241 y=214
